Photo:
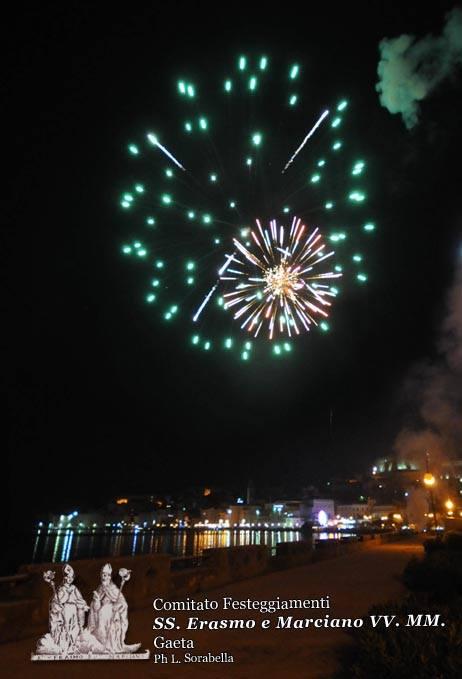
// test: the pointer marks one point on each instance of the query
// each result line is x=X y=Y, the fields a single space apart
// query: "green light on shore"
x=257 y=138
x=337 y=145
x=253 y=83
x=195 y=339
x=228 y=343
x=228 y=85
x=362 y=277
x=166 y=199
x=150 y=220
x=134 y=150
x=242 y=63
x=293 y=100
x=324 y=326
x=263 y=63
x=369 y=226
x=342 y=106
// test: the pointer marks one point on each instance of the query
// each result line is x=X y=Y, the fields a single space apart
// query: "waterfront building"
x=356 y=510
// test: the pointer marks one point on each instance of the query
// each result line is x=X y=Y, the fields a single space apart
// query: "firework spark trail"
x=310 y=134
x=229 y=259
x=153 y=139
x=206 y=299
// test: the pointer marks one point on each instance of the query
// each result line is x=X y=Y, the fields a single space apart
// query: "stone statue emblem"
x=103 y=637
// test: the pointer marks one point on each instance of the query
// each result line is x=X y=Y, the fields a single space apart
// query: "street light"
x=429 y=481
x=449 y=504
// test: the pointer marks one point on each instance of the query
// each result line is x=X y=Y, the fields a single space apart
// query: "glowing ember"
x=282 y=281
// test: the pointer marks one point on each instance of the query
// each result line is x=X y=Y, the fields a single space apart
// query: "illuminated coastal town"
x=395 y=496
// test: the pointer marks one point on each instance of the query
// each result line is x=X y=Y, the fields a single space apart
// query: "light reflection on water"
x=67 y=545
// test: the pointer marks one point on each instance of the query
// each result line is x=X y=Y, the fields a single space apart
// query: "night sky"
x=103 y=398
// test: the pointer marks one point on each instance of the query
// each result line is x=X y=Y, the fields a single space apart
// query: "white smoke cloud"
x=436 y=388
x=410 y=69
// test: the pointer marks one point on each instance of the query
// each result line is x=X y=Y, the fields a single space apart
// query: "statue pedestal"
x=90 y=656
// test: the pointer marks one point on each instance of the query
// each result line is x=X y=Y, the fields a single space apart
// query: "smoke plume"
x=410 y=69
x=436 y=388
